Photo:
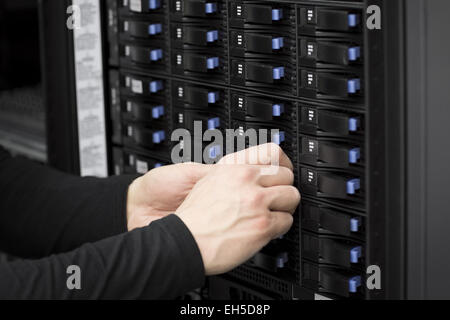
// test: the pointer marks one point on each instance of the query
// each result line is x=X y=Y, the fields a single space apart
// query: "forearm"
x=43 y=211
x=161 y=261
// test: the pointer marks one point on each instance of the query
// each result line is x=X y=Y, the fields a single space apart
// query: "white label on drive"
x=141 y=167
x=136 y=86
x=131 y=160
x=136 y=5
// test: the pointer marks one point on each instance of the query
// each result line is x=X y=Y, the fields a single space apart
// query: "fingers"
x=281 y=223
x=266 y=154
x=283 y=198
x=279 y=177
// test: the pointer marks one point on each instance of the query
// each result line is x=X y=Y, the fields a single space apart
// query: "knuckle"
x=263 y=223
x=256 y=198
x=247 y=173
x=286 y=223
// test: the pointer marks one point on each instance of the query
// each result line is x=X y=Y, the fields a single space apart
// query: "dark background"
x=19 y=43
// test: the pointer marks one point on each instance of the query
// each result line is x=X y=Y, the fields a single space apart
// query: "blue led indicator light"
x=154 y=28
x=159 y=136
x=213 y=123
x=277 y=43
x=158 y=165
x=154 y=4
x=212 y=63
x=156 y=55
x=212 y=36
x=210 y=7
x=278 y=138
x=278 y=73
x=353 y=20
x=157 y=112
x=277 y=109
x=213 y=97
x=214 y=152
x=355 y=223
x=354 y=155
x=282 y=259
x=277 y=14
x=354 y=85
x=355 y=254
x=353 y=124
x=156 y=86
x=354 y=53
x=353 y=186
x=354 y=283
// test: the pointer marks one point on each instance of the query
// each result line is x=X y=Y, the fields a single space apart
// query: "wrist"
x=204 y=243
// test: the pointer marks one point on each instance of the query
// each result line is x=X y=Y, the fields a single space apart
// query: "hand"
x=235 y=210
x=160 y=192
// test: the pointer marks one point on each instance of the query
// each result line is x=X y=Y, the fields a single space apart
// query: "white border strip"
x=89 y=90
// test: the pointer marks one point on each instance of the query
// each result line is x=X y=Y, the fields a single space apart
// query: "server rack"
x=22 y=123
x=334 y=88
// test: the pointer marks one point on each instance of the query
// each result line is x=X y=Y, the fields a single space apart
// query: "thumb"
x=196 y=171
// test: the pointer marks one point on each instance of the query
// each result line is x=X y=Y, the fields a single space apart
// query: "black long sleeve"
x=160 y=261
x=44 y=212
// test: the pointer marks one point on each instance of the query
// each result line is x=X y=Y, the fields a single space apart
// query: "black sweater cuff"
x=120 y=185
x=191 y=268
